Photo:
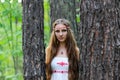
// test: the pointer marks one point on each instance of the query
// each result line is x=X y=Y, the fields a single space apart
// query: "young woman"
x=62 y=53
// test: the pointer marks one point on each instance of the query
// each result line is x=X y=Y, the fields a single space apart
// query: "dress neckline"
x=61 y=57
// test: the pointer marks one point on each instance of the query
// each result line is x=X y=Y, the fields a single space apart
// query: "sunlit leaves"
x=10 y=41
x=46 y=22
x=11 y=1
x=2 y=1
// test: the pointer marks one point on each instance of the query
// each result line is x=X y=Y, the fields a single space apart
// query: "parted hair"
x=72 y=51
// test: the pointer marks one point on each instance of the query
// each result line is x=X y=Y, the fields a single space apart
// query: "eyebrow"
x=61 y=29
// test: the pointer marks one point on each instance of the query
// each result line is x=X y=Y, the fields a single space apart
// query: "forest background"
x=11 y=55
x=94 y=22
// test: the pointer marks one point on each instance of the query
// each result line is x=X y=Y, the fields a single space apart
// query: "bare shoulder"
x=77 y=49
x=46 y=50
x=47 y=54
x=78 y=52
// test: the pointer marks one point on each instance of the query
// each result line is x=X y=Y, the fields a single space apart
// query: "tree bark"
x=64 y=9
x=99 y=36
x=33 y=40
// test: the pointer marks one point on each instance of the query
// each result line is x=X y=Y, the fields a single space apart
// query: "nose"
x=61 y=33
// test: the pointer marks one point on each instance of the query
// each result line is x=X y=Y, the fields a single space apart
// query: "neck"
x=62 y=45
x=62 y=49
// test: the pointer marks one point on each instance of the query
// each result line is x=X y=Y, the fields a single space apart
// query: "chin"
x=62 y=40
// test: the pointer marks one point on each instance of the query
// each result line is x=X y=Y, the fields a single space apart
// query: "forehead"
x=60 y=26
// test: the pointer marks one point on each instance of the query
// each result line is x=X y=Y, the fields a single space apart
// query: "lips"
x=61 y=38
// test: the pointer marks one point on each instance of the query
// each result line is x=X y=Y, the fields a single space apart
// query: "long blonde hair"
x=72 y=51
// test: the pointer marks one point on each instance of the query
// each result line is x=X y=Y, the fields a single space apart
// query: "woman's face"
x=60 y=32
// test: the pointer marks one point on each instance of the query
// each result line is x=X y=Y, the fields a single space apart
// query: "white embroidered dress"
x=59 y=67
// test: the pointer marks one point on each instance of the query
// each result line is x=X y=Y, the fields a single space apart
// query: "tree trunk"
x=99 y=34
x=64 y=9
x=33 y=40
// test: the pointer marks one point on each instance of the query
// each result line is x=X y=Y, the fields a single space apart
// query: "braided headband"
x=62 y=21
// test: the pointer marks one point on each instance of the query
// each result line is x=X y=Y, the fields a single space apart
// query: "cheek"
x=66 y=34
x=56 y=35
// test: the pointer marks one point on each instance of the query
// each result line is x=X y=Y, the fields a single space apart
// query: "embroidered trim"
x=62 y=63
x=55 y=71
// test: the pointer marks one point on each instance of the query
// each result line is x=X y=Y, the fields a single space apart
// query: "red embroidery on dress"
x=55 y=71
x=62 y=63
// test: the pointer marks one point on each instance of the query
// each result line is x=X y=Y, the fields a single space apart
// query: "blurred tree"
x=64 y=9
x=33 y=40
x=99 y=36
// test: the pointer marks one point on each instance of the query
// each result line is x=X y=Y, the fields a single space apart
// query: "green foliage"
x=78 y=15
x=11 y=41
x=46 y=22
x=11 y=56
